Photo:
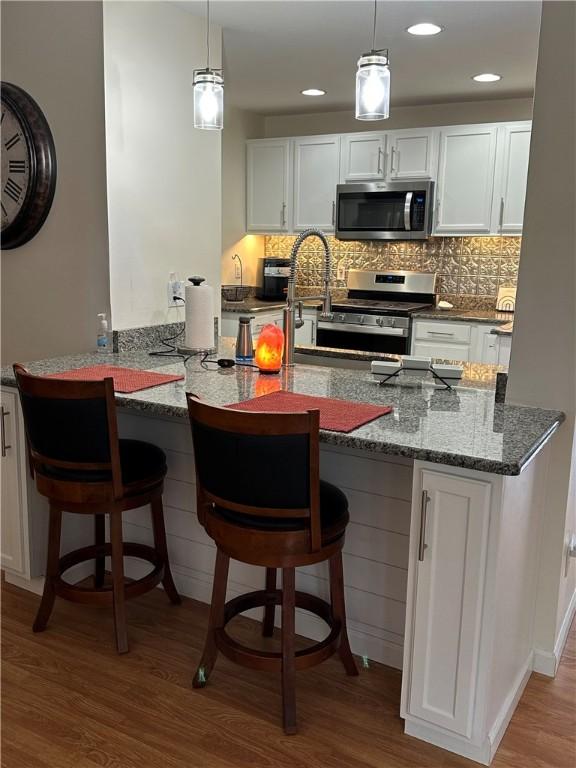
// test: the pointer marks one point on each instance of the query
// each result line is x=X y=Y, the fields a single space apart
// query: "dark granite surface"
x=463 y=427
x=488 y=316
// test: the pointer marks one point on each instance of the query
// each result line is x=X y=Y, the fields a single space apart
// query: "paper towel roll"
x=199 y=316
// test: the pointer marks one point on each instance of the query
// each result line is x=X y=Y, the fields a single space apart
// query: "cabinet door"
x=268 y=185
x=413 y=154
x=363 y=157
x=466 y=179
x=316 y=165
x=447 y=599
x=13 y=501
x=485 y=350
x=307 y=333
x=514 y=152
x=504 y=347
x=441 y=351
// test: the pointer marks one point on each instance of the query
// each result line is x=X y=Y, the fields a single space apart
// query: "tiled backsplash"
x=470 y=269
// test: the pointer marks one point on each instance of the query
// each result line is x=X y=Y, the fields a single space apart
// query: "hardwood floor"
x=69 y=701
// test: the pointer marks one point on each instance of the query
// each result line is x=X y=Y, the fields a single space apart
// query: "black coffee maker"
x=273 y=277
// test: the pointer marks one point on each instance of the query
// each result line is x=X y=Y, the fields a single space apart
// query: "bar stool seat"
x=81 y=466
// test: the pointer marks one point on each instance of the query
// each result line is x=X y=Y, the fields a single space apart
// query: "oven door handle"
x=407 y=210
x=369 y=329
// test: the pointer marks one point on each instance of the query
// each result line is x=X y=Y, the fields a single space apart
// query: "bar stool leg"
x=339 y=612
x=161 y=546
x=52 y=570
x=215 y=622
x=99 y=540
x=270 y=606
x=117 y=557
x=288 y=650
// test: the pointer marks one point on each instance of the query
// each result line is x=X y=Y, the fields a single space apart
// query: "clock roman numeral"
x=12 y=142
x=13 y=190
x=17 y=166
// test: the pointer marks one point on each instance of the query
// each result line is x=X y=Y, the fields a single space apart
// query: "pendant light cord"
x=374 y=28
x=207 y=34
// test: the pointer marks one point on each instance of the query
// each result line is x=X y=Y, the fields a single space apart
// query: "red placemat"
x=126 y=380
x=335 y=415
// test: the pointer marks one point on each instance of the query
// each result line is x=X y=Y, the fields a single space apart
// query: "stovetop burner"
x=385 y=307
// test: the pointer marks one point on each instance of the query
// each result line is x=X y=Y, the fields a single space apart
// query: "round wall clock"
x=28 y=167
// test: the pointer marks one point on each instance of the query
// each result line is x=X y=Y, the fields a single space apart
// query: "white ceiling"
x=275 y=48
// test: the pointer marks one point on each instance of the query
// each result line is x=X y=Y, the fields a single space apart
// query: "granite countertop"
x=504 y=330
x=461 y=427
x=250 y=305
x=488 y=316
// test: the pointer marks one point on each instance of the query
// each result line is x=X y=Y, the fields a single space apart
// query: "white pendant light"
x=373 y=82
x=208 y=90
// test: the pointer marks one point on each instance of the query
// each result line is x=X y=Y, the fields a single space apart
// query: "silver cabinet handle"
x=379 y=159
x=501 y=214
x=333 y=212
x=3 y=443
x=283 y=215
x=392 y=168
x=423 y=514
x=439 y=333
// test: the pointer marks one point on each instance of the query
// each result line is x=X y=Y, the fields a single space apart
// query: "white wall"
x=543 y=361
x=164 y=176
x=239 y=126
x=54 y=286
x=495 y=110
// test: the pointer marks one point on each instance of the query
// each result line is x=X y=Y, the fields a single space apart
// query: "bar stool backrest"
x=258 y=464
x=71 y=429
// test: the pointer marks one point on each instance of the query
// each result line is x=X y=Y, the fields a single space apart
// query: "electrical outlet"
x=237 y=271
x=175 y=288
x=341 y=270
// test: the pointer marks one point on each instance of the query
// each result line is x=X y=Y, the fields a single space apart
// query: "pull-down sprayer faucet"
x=291 y=322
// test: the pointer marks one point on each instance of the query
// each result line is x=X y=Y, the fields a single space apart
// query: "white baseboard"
x=509 y=705
x=35 y=585
x=546 y=662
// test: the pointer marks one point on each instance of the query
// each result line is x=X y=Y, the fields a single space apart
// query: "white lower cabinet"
x=456 y=340
x=13 y=486
x=447 y=600
x=504 y=345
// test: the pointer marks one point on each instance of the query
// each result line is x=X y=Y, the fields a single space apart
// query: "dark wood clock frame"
x=42 y=154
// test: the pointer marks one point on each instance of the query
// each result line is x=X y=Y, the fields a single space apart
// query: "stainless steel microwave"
x=380 y=210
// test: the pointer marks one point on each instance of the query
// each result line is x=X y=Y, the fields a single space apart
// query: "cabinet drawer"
x=447 y=333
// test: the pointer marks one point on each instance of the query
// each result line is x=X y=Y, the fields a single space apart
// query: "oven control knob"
x=379 y=321
x=341 y=318
x=361 y=319
x=393 y=322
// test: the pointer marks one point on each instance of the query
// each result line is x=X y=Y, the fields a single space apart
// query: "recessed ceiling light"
x=425 y=28
x=313 y=92
x=487 y=77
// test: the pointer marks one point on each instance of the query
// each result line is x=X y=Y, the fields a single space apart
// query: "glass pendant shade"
x=373 y=87
x=208 y=100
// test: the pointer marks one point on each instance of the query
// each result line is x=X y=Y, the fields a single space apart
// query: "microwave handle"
x=407 y=211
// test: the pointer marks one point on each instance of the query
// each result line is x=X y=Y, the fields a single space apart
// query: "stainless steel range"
x=377 y=314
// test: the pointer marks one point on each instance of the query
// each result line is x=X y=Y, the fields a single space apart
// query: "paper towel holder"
x=184 y=350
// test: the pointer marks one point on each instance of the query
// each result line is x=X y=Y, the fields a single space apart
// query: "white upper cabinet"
x=513 y=152
x=268 y=185
x=413 y=154
x=465 y=186
x=316 y=173
x=363 y=157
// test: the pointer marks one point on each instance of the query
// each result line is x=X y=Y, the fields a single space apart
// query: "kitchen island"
x=441 y=557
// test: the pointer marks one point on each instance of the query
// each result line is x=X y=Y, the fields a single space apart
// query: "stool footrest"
x=271 y=660
x=104 y=595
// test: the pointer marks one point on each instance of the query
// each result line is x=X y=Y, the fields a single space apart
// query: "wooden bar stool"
x=260 y=498
x=81 y=466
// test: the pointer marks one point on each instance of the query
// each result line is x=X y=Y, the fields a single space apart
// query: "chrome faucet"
x=291 y=322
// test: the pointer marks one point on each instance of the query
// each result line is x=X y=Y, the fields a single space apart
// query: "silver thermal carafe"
x=244 y=345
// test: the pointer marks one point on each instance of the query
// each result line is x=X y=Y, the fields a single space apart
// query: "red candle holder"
x=269 y=349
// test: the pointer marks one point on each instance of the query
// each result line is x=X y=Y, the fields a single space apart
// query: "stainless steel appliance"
x=273 y=277
x=384 y=210
x=376 y=316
